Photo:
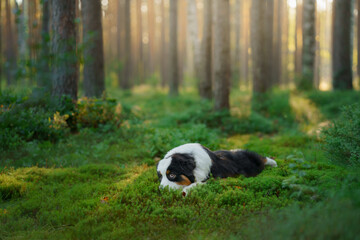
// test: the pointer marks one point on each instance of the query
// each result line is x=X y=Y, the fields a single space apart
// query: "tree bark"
x=193 y=27
x=1 y=52
x=64 y=79
x=221 y=55
x=173 y=50
x=358 y=38
x=277 y=50
x=309 y=45
x=238 y=27
x=120 y=47
x=269 y=43
x=125 y=83
x=342 y=50
x=140 y=42
x=33 y=25
x=94 y=83
x=259 y=51
x=164 y=52
x=205 y=85
x=10 y=47
x=152 y=42
x=44 y=79
x=298 y=38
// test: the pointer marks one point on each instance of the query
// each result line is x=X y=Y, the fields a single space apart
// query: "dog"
x=191 y=164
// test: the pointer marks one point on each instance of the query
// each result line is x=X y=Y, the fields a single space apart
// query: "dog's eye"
x=172 y=176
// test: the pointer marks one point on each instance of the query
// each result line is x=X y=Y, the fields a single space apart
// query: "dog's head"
x=176 y=171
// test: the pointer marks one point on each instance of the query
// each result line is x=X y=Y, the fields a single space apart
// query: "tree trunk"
x=342 y=51
x=221 y=54
x=309 y=45
x=358 y=38
x=298 y=38
x=33 y=25
x=164 y=55
x=120 y=51
x=125 y=83
x=193 y=27
x=151 y=44
x=44 y=79
x=205 y=85
x=269 y=43
x=277 y=51
x=94 y=83
x=173 y=50
x=10 y=47
x=238 y=28
x=65 y=80
x=140 y=42
x=1 y=52
x=259 y=51
x=21 y=29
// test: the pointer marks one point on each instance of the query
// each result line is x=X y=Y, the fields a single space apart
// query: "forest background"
x=94 y=93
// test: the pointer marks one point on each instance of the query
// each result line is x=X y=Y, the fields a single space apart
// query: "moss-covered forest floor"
x=102 y=184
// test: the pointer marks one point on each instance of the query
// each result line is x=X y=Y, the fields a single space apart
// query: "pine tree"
x=221 y=55
x=63 y=42
x=94 y=83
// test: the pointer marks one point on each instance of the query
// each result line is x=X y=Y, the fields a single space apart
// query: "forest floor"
x=100 y=184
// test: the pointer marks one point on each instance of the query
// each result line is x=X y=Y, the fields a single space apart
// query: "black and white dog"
x=191 y=164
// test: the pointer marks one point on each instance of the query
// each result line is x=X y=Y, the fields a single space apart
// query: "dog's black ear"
x=185 y=162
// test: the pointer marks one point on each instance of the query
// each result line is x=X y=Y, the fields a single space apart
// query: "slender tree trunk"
x=44 y=76
x=342 y=51
x=205 y=86
x=193 y=27
x=269 y=43
x=221 y=55
x=259 y=51
x=10 y=47
x=164 y=55
x=1 y=52
x=94 y=83
x=358 y=38
x=120 y=52
x=33 y=24
x=309 y=45
x=65 y=80
x=173 y=50
x=22 y=33
x=182 y=26
x=151 y=28
x=238 y=28
x=298 y=38
x=125 y=83
x=140 y=42
x=245 y=59
x=277 y=51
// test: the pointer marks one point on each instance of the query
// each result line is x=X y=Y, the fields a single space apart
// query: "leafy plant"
x=342 y=138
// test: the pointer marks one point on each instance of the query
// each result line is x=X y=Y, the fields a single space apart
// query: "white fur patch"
x=271 y=162
x=162 y=168
x=202 y=159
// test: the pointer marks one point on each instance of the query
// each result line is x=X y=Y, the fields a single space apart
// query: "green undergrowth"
x=331 y=102
x=100 y=182
x=111 y=201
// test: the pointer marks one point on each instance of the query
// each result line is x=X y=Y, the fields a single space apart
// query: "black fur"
x=234 y=163
x=182 y=164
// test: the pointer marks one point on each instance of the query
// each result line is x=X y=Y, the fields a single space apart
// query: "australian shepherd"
x=191 y=164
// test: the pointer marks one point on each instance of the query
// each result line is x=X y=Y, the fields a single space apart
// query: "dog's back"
x=238 y=162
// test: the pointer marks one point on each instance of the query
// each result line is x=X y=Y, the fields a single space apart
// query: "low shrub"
x=35 y=116
x=331 y=102
x=342 y=138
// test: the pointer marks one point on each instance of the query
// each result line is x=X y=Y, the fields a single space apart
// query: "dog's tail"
x=270 y=162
